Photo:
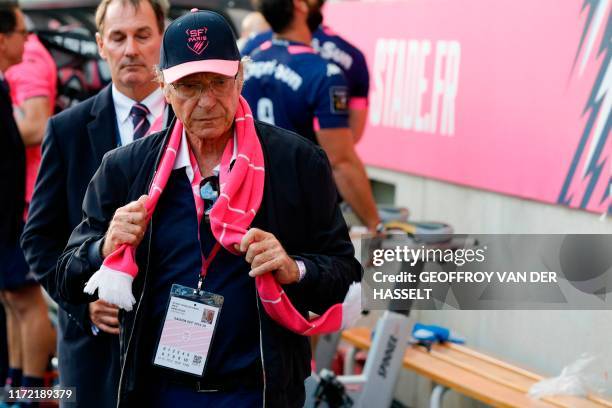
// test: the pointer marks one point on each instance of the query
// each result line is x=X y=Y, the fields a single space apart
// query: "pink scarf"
x=232 y=214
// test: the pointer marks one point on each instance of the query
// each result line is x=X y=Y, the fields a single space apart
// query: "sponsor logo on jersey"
x=331 y=52
x=333 y=69
x=339 y=99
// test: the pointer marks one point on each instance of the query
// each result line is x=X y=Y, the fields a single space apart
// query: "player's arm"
x=336 y=138
x=357 y=122
x=32 y=119
x=359 y=91
x=349 y=173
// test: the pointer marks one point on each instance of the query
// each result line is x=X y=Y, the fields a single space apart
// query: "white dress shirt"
x=183 y=160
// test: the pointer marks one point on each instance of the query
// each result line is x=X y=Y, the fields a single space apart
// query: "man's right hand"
x=128 y=226
x=105 y=316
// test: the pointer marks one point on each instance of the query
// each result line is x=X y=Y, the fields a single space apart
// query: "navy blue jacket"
x=299 y=207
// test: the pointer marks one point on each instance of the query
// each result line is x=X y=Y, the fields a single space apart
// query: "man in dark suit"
x=129 y=36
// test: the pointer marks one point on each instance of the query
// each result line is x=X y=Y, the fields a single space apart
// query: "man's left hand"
x=266 y=254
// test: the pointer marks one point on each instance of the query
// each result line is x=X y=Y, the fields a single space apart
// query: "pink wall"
x=511 y=110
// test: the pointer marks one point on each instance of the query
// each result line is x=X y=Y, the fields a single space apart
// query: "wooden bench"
x=476 y=375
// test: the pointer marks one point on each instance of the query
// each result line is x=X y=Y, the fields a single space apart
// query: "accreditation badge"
x=188 y=330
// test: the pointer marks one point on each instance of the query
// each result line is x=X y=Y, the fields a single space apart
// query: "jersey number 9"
x=265 y=111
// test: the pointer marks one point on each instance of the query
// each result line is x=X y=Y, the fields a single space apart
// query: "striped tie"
x=139 y=114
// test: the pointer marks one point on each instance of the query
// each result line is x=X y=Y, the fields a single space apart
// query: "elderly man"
x=129 y=37
x=234 y=231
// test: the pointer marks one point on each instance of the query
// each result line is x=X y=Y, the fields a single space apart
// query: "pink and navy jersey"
x=332 y=47
x=287 y=84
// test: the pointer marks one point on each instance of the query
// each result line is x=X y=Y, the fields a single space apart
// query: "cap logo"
x=197 y=41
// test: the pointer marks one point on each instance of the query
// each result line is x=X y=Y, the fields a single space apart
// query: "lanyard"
x=199 y=204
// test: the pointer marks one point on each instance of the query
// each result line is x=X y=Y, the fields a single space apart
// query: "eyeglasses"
x=209 y=192
x=219 y=86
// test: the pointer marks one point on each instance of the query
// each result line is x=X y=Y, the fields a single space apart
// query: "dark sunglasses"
x=209 y=192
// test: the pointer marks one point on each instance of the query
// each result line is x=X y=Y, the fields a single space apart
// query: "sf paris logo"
x=197 y=41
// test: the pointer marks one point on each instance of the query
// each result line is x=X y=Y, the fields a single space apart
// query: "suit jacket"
x=73 y=147
x=12 y=173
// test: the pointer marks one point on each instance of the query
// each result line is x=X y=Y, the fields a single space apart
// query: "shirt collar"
x=182 y=159
x=123 y=103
